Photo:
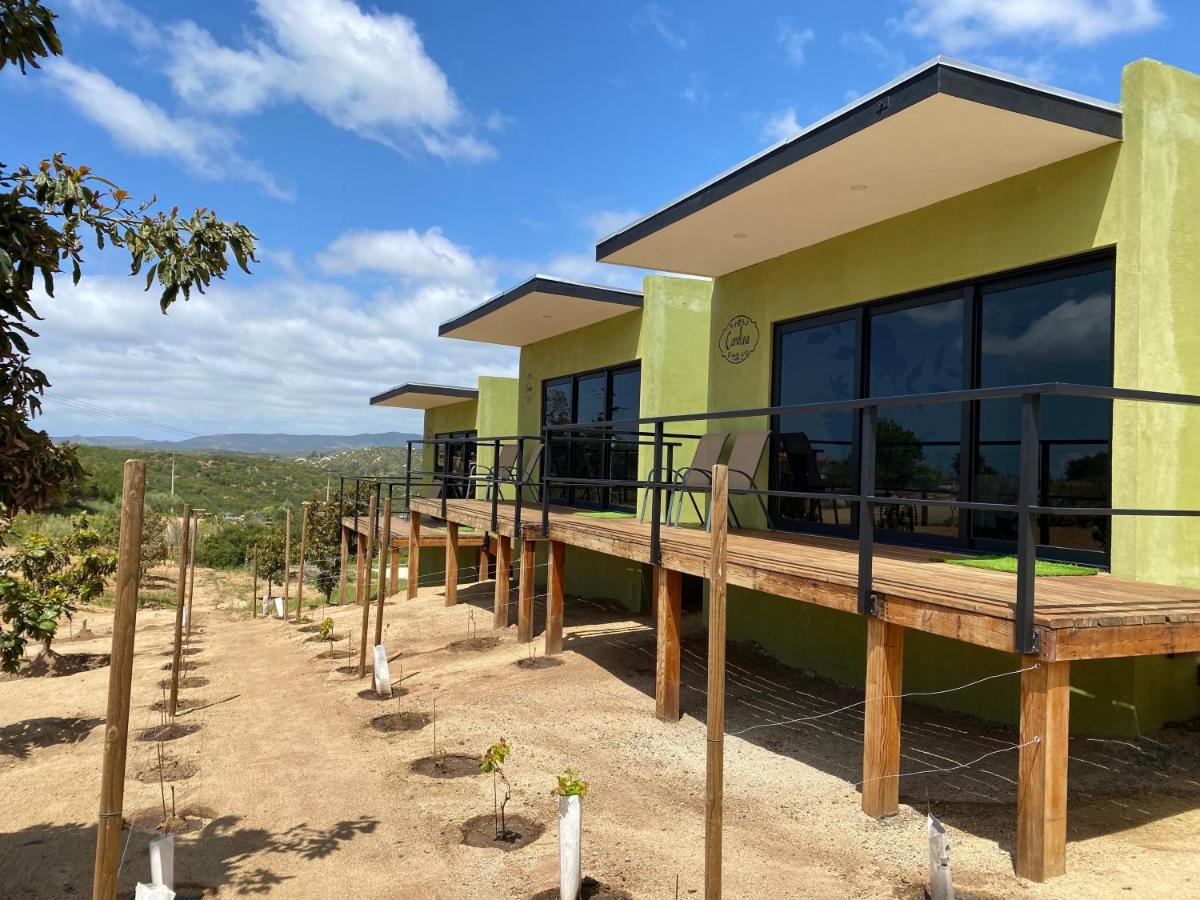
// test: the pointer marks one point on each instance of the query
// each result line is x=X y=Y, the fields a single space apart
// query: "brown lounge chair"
x=485 y=474
x=694 y=477
x=744 y=458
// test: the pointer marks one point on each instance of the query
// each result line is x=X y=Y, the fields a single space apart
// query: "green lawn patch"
x=1044 y=568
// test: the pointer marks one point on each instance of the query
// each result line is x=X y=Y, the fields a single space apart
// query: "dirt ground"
x=283 y=787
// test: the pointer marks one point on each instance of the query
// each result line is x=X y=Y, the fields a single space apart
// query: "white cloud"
x=660 y=21
x=407 y=253
x=115 y=16
x=696 y=94
x=366 y=72
x=583 y=267
x=967 y=24
x=282 y=354
x=207 y=150
x=888 y=55
x=604 y=222
x=781 y=126
x=793 y=40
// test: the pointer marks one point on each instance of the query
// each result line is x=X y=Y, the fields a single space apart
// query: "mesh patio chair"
x=694 y=477
x=744 y=458
x=531 y=465
x=503 y=467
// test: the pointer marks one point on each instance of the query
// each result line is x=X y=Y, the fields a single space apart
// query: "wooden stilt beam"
x=120 y=679
x=1042 y=771
x=385 y=543
x=881 y=718
x=503 y=563
x=394 y=578
x=668 y=586
x=360 y=570
x=714 y=800
x=303 y=548
x=414 y=554
x=481 y=566
x=525 y=593
x=342 y=568
x=554 y=599
x=451 y=563
x=365 y=591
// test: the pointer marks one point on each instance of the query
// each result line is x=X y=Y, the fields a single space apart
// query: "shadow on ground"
x=20 y=738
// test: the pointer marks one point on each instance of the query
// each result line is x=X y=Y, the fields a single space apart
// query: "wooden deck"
x=1092 y=617
x=431 y=536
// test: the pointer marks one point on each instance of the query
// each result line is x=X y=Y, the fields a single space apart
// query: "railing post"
x=495 y=483
x=867 y=605
x=656 y=499
x=547 y=455
x=1026 y=638
x=446 y=474
x=407 y=477
x=518 y=472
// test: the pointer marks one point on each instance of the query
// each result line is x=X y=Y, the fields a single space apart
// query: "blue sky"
x=400 y=162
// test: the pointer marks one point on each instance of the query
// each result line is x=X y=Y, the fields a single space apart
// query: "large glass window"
x=602 y=396
x=1052 y=324
x=462 y=458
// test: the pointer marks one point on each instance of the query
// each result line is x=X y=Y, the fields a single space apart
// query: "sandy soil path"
x=286 y=789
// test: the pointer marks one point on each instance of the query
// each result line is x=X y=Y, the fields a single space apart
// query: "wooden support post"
x=503 y=563
x=192 y=574
x=185 y=540
x=715 y=766
x=554 y=599
x=1042 y=771
x=254 y=590
x=414 y=554
x=394 y=577
x=451 y=563
x=360 y=563
x=525 y=593
x=386 y=543
x=342 y=568
x=287 y=563
x=668 y=585
x=120 y=679
x=303 y=547
x=365 y=590
x=881 y=718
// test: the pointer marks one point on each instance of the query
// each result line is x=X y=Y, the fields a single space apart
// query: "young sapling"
x=493 y=762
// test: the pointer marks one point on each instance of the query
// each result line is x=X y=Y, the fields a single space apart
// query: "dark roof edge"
x=437 y=390
x=548 y=285
x=939 y=75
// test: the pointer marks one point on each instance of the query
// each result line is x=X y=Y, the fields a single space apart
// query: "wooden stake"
x=287 y=563
x=503 y=564
x=192 y=574
x=525 y=590
x=365 y=591
x=881 y=718
x=180 y=600
x=669 y=588
x=451 y=563
x=360 y=562
x=342 y=569
x=254 y=590
x=1042 y=771
x=385 y=544
x=554 y=600
x=715 y=768
x=414 y=555
x=303 y=547
x=120 y=680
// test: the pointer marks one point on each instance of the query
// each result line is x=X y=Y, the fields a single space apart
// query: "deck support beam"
x=394 y=584
x=1042 y=771
x=360 y=568
x=503 y=564
x=414 y=554
x=554 y=597
x=451 y=563
x=881 y=719
x=668 y=588
x=525 y=593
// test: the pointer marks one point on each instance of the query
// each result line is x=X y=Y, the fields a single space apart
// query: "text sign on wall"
x=739 y=339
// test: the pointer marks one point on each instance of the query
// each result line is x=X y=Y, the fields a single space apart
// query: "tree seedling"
x=326 y=628
x=493 y=762
x=570 y=785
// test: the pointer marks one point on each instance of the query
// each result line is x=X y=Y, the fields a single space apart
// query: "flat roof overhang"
x=938 y=131
x=540 y=308
x=423 y=396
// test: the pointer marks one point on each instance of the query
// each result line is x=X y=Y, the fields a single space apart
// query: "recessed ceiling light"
x=739 y=235
x=858 y=187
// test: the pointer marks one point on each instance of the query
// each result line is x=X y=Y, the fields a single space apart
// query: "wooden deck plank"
x=1078 y=617
x=431 y=535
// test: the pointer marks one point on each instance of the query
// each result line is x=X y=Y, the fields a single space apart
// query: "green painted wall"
x=497 y=418
x=451 y=417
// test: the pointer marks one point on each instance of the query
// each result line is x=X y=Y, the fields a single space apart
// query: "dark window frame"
x=971 y=291
x=469 y=457
x=606 y=499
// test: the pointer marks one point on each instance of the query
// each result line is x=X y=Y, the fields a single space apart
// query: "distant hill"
x=272 y=444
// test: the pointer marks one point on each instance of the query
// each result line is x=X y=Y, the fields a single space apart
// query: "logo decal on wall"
x=739 y=339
